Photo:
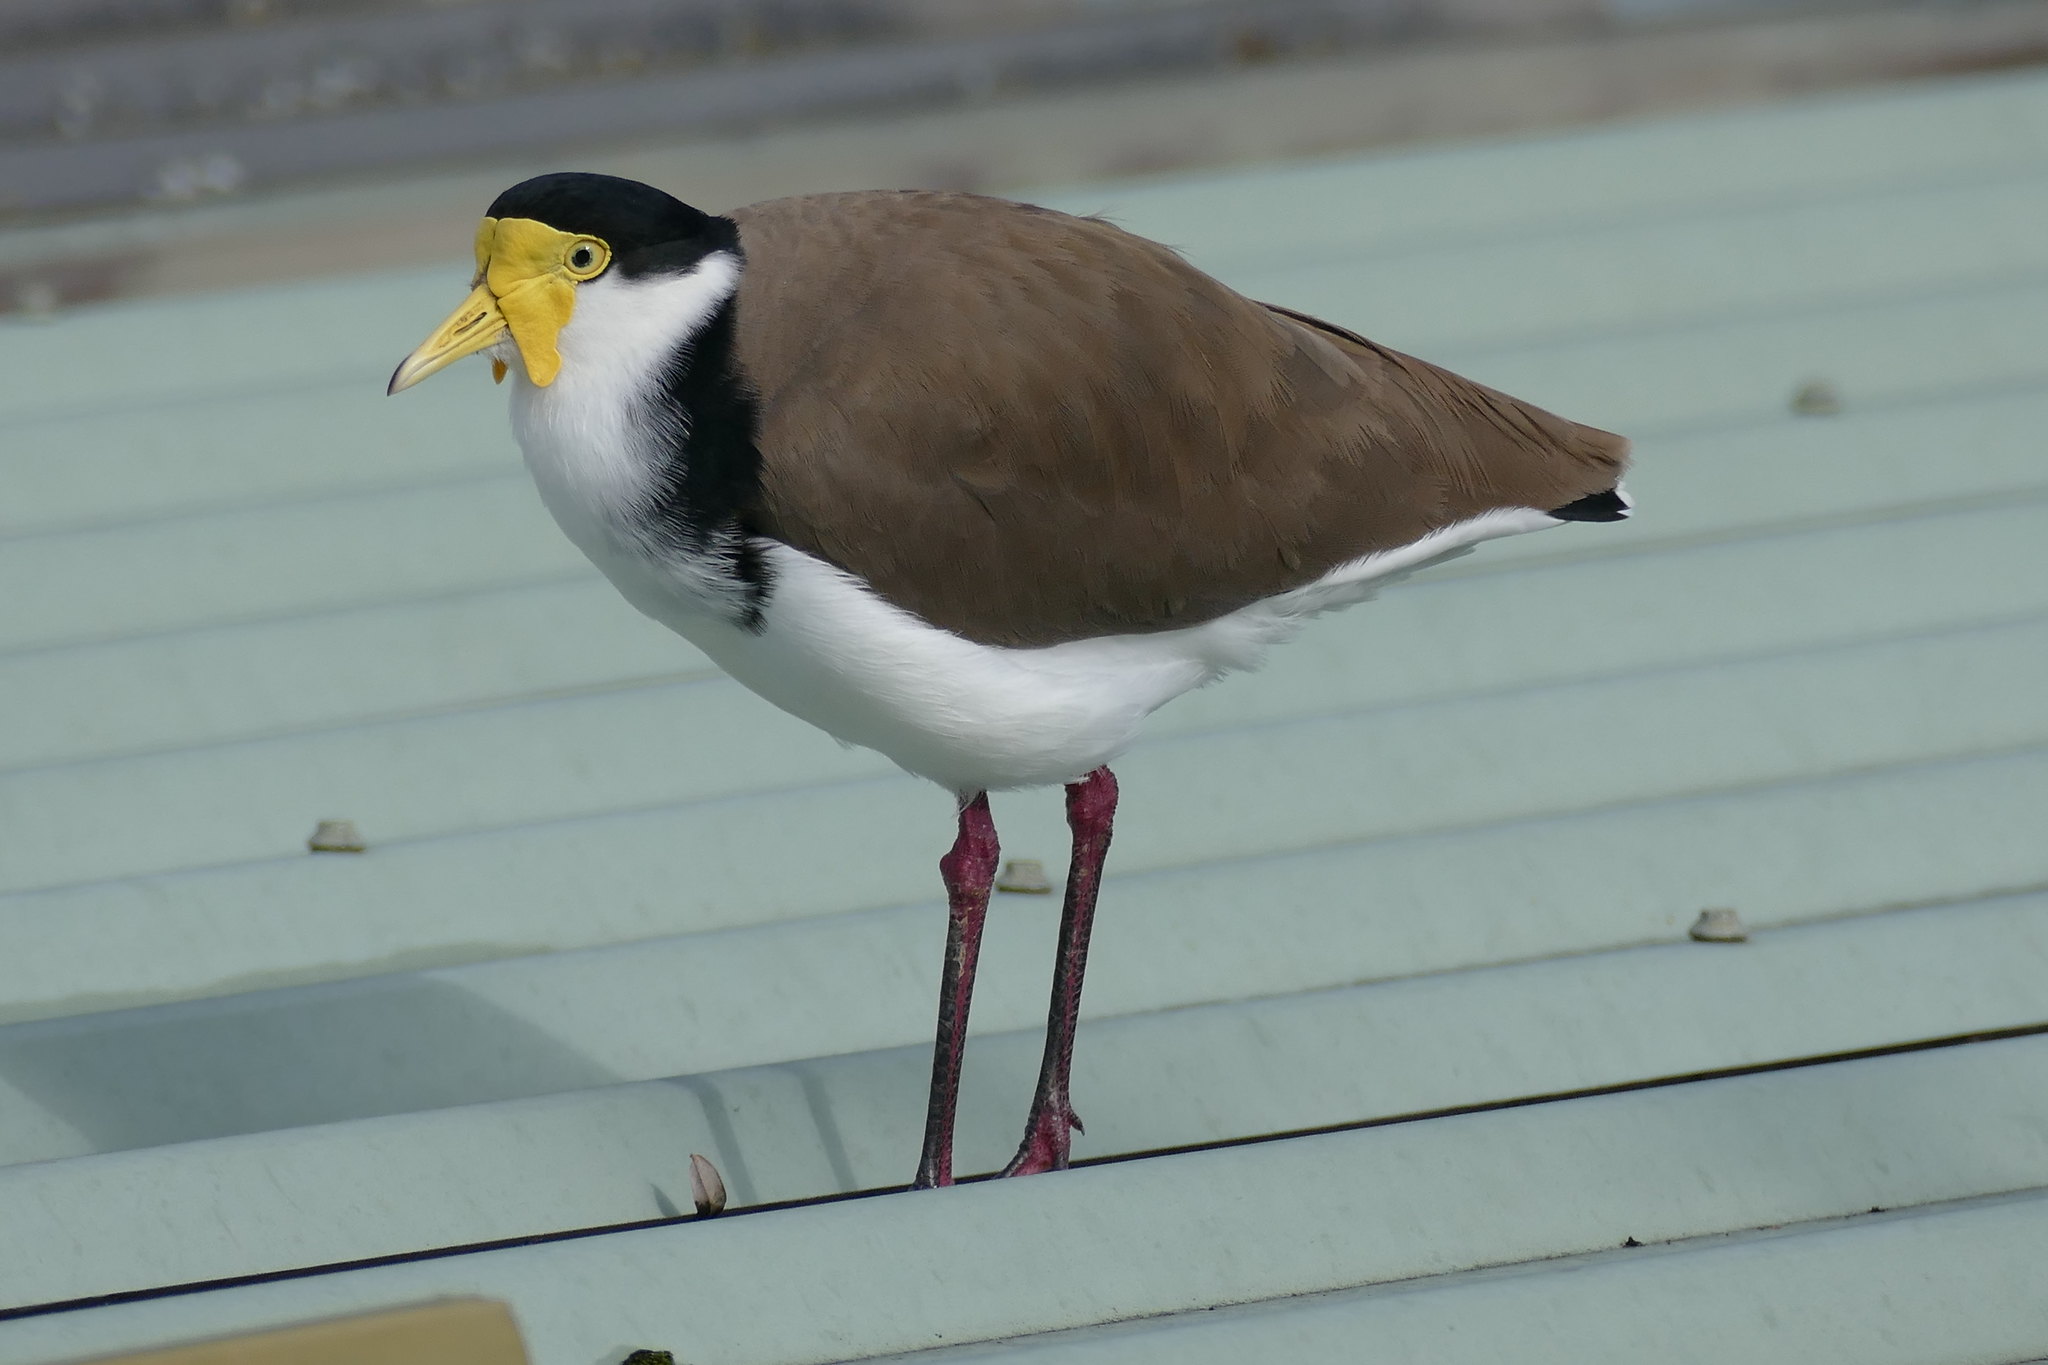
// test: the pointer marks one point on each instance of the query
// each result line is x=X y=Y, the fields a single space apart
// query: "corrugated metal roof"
x=1440 y=856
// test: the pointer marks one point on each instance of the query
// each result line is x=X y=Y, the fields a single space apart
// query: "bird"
x=976 y=484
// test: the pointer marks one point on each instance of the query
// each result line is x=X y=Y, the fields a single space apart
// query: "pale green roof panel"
x=1670 y=169
x=1261 y=1222
x=810 y=1125
x=1952 y=1285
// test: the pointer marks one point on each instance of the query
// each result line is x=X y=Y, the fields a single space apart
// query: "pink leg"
x=969 y=871
x=1048 y=1134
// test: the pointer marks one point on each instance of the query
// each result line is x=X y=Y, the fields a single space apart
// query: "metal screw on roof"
x=1816 y=398
x=650 y=1358
x=1719 y=925
x=336 y=836
x=707 y=1188
x=1025 y=877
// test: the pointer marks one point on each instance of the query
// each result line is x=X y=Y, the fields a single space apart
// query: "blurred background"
x=152 y=146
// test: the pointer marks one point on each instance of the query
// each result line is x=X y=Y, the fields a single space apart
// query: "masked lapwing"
x=975 y=484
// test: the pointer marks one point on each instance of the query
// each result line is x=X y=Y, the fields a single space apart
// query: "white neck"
x=598 y=439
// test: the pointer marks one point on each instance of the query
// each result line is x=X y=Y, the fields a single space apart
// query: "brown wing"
x=1027 y=427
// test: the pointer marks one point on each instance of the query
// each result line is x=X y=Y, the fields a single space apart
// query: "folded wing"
x=1027 y=427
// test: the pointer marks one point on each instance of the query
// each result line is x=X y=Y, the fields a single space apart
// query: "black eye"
x=582 y=258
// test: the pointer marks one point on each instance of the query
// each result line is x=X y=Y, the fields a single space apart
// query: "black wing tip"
x=1607 y=505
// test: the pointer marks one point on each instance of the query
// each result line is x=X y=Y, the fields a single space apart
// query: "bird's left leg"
x=1091 y=808
x=970 y=871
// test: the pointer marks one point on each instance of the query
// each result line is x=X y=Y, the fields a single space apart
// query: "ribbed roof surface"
x=1439 y=856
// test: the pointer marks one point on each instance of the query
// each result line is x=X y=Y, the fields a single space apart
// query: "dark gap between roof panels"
x=577 y=1234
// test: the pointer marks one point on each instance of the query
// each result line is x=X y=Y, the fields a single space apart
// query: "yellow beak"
x=475 y=326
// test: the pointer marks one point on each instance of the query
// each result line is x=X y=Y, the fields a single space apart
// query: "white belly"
x=978 y=717
x=970 y=717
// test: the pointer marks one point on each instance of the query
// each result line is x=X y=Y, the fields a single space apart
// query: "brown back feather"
x=1027 y=427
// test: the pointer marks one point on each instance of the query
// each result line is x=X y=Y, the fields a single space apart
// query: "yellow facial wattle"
x=527 y=273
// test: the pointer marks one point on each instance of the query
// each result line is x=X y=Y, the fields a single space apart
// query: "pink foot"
x=1047 y=1143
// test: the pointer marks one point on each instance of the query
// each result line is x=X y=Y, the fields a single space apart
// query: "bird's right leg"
x=970 y=871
